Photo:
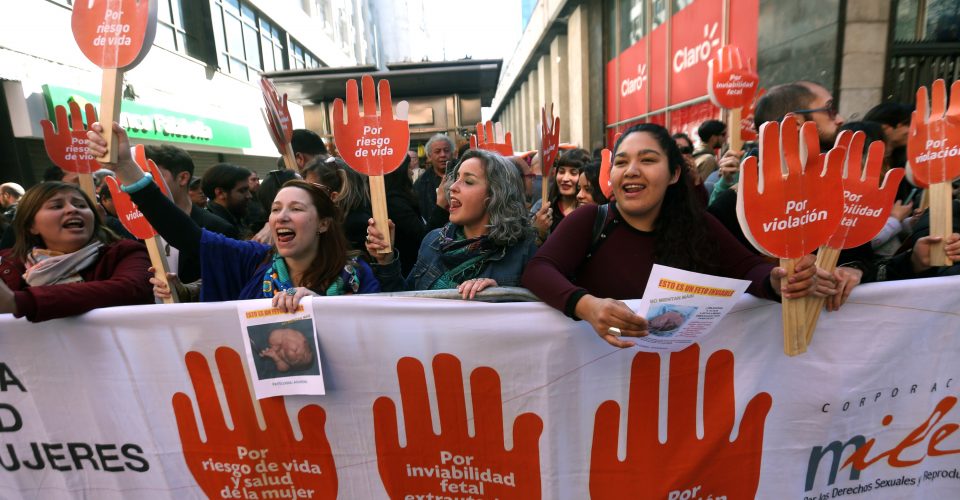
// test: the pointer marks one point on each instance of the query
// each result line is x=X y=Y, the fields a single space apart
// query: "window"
x=247 y=42
x=301 y=58
x=927 y=20
x=170 y=31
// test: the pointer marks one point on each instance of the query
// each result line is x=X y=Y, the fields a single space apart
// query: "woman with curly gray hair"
x=487 y=242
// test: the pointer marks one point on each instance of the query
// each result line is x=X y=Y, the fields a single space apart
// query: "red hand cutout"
x=238 y=458
x=276 y=114
x=127 y=211
x=748 y=130
x=66 y=146
x=549 y=140
x=605 y=164
x=933 y=148
x=866 y=203
x=730 y=83
x=794 y=202
x=491 y=137
x=489 y=471
x=712 y=466
x=114 y=33
x=372 y=144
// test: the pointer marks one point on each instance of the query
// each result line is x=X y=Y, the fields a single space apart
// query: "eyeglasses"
x=830 y=109
x=686 y=150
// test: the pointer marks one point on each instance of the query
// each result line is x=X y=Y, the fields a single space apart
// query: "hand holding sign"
x=115 y=35
x=138 y=225
x=484 y=468
x=243 y=461
x=933 y=152
x=790 y=204
x=67 y=144
x=549 y=146
x=731 y=85
x=684 y=466
x=374 y=144
x=491 y=137
x=276 y=114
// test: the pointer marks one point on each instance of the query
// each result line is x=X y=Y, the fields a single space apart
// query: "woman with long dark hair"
x=655 y=220
x=66 y=261
x=309 y=255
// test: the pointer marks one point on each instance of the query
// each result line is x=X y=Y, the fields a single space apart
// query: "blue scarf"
x=277 y=279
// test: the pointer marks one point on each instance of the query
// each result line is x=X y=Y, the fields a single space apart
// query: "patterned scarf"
x=49 y=267
x=463 y=258
x=277 y=279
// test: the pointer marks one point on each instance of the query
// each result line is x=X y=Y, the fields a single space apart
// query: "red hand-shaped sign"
x=933 y=148
x=277 y=116
x=128 y=213
x=491 y=137
x=866 y=203
x=748 y=130
x=372 y=144
x=67 y=145
x=550 y=140
x=453 y=463
x=243 y=461
x=793 y=203
x=114 y=33
x=729 y=82
x=684 y=466
x=605 y=165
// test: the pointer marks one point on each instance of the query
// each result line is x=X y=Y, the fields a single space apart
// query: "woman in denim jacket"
x=487 y=242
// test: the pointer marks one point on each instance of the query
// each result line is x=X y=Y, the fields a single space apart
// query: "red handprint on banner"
x=491 y=137
x=114 y=33
x=127 y=211
x=730 y=83
x=453 y=463
x=549 y=140
x=374 y=143
x=67 y=144
x=866 y=203
x=933 y=147
x=793 y=202
x=684 y=466
x=748 y=129
x=246 y=461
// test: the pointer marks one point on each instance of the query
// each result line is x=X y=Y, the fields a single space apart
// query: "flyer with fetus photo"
x=682 y=307
x=283 y=355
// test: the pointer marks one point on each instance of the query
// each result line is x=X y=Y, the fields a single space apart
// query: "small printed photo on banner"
x=664 y=320
x=283 y=355
x=284 y=349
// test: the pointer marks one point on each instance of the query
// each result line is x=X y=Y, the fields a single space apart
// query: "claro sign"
x=687 y=57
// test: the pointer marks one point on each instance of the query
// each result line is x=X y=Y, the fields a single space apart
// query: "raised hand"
x=374 y=143
x=730 y=83
x=491 y=137
x=933 y=146
x=404 y=470
x=114 y=33
x=793 y=202
x=237 y=459
x=66 y=144
x=867 y=203
x=684 y=466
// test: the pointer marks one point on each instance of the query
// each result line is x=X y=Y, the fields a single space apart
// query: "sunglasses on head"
x=830 y=109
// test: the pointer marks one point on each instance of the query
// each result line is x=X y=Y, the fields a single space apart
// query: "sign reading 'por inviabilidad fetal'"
x=732 y=84
x=374 y=143
x=115 y=35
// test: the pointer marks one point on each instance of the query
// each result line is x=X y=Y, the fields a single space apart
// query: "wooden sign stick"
x=733 y=129
x=827 y=260
x=794 y=334
x=378 y=202
x=941 y=221
x=111 y=92
x=158 y=260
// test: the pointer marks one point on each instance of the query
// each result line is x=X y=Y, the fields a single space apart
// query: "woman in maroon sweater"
x=65 y=261
x=655 y=219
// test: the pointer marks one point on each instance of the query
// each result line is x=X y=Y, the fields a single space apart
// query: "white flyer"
x=682 y=307
x=283 y=355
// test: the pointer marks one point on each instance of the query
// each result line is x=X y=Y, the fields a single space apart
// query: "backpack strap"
x=600 y=228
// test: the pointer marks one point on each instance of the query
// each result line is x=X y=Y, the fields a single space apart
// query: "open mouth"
x=74 y=224
x=633 y=188
x=285 y=235
x=455 y=204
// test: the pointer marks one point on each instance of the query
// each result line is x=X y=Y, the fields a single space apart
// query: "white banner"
x=441 y=399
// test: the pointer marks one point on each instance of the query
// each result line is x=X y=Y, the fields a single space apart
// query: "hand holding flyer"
x=115 y=35
x=67 y=144
x=453 y=463
x=674 y=469
x=373 y=144
x=243 y=461
x=491 y=137
x=933 y=153
x=276 y=115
